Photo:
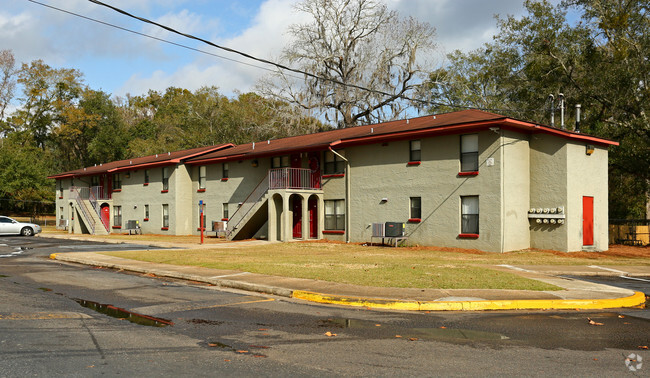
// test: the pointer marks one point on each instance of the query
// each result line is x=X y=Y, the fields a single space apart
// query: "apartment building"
x=468 y=179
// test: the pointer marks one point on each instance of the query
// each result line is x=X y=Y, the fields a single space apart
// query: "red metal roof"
x=167 y=158
x=440 y=124
x=448 y=123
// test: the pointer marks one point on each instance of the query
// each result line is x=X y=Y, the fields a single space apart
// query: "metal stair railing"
x=92 y=197
x=80 y=203
x=249 y=203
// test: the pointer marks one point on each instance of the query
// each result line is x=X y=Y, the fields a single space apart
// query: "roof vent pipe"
x=372 y=130
x=253 y=145
x=577 y=129
x=561 y=98
x=407 y=121
x=551 y=98
x=268 y=141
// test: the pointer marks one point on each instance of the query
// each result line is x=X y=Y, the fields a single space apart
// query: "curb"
x=638 y=298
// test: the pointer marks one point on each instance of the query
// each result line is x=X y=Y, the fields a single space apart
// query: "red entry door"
x=297 y=218
x=106 y=215
x=313 y=218
x=587 y=220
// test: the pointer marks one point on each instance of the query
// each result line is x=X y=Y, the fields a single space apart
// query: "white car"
x=10 y=226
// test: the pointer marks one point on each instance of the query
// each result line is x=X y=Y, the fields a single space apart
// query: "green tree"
x=600 y=62
x=47 y=92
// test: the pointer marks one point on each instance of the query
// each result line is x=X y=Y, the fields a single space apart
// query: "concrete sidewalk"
x=576 y=294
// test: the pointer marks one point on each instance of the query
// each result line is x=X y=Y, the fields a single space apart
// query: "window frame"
x=282 y=161
x=117 y=216
x=116 y=183
x=415 y=155
x=415 y=208
x=146 y=212
x=203 y=175
x=224 y=211
x=469 y=221
x=469 y=157
x=333 y=164
x=165 y=178
x=165 y=216
x=337 y=218
x=146 y=177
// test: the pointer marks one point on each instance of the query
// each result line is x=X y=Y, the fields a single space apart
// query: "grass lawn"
x=379 y=266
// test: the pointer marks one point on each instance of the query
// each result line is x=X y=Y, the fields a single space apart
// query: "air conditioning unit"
x=378 y=230
x=394 y=229
x=219 y=226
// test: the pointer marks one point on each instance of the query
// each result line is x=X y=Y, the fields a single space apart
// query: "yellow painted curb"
x=53 y=256
x=524 y=304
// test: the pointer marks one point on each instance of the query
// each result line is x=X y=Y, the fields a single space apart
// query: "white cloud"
x=264 y=39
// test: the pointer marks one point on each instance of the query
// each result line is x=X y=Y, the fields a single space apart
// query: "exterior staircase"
x=248 y=210
x=89 y=210
x=253 y=212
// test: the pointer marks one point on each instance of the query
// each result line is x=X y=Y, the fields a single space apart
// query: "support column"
x=305 y=218
x=321 y=216
x=272 y=230
x=286 y=218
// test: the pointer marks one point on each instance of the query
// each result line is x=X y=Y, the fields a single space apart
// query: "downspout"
x=347 y=194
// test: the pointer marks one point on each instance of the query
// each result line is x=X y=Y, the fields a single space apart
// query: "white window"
x=335 y=214
x=469 y=153
x=469 y=215
x=165 y=178
x=165 y=218
x=117 y=216
x=202 y=176
x=415 y=154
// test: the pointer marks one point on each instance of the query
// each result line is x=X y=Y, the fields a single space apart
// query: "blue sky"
x=119 y=62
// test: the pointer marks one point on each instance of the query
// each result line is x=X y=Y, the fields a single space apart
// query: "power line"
x=151 y=36
x=248 y=56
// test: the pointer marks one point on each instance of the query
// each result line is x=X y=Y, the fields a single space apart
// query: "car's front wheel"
x=27 y=231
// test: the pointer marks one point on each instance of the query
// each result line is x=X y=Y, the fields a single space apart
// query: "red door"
x=313 y=218
x=106 y=215
x=297 y=218
x=587 y=220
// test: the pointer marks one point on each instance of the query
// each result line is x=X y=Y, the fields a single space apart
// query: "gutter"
x=347 y=194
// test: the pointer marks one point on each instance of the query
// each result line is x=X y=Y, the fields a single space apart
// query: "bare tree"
x=350 y=45
x=7 y=80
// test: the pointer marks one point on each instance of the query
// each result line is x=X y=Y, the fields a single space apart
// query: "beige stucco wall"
x=515 y=186
x=561 y=174
x=381 y=171
x=242 y=180
x=548 y=188
x=587 y=176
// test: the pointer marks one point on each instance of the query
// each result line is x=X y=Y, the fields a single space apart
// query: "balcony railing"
x=293 y=178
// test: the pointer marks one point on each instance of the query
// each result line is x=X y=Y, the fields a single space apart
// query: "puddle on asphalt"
x=420 y=333
x=121 y=313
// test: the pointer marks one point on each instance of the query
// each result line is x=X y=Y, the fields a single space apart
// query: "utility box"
x=394 y=229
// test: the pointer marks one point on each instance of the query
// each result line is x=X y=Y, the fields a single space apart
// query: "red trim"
x=145 y=220
x=468 y=236
x=224 y=179
x=164 y=228
x=117 y=190
x=335 y=232
x=224 y=219
x=472 y=173
x=414 y=163
x=117 y=226
x=61 y=197
x=415 y=220
x=164 y=191
x=145 y=184
x=201 y=190
x=334 y=175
